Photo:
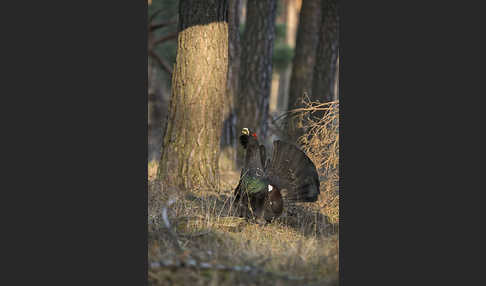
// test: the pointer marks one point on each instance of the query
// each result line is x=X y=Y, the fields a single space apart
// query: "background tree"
x=256 y=66
x=229 y=136
x=157 y=110
x=289 y=14
x=304 y=59
x=162 y=35
x=191 y=143
x=323 y=83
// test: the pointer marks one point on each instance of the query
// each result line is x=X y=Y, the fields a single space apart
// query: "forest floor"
x=207 y=245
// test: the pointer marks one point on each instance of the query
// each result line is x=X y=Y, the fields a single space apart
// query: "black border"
x=80 y=149
x=81 y=153
x=341 y=147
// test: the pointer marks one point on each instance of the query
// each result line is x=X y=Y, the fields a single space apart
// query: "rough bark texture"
x=327 y=53
x=191 y=144
x=304 y=59
x=256 y=67
x=229 y=136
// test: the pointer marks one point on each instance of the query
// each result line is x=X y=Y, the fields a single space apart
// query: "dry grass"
x=207 y=245
x=299 y=248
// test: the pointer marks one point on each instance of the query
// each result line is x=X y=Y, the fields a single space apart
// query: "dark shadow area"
x=203 y=263
x=208 y=259
x=208 y=12
x=307 y=221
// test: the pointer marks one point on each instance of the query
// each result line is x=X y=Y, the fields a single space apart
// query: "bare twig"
x=321 y=143
x=314 y=108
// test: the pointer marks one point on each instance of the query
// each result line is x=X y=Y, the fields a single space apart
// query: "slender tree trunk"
x=229 y=128
x=157 y=111
x=327 y=53
x=304 y=59
x=336 y=81
x=154 y=112
x=256 y=67
x=291 y=11
x=191 y=144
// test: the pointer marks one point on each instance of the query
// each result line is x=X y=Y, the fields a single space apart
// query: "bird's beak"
x=245 y=131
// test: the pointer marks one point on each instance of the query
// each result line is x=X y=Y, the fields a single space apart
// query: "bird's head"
x=248 y=138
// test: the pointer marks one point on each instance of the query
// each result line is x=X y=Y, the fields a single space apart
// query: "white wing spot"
x=270 y=188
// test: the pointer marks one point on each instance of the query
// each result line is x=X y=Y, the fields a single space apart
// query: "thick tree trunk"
x=304 y=59
x=191 y=144
x=327 y=53
x=256 y=67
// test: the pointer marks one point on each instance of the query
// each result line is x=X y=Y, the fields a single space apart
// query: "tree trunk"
x=158 y=102
x=256 y=67
x=304 y=59
x=327 y=53
x=191 y=144
x=229 y=127
x=336 y=81
x=155 y=113
x=291 y=10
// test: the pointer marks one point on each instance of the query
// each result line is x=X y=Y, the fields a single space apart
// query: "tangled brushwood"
x=321 y=143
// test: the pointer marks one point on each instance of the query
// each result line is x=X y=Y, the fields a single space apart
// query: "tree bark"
x=229 y=127
x=327 y=53
x=304 y=59
x=256 y=67
x=191 y=144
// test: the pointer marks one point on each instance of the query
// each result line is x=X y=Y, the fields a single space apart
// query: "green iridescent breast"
x=252 y=184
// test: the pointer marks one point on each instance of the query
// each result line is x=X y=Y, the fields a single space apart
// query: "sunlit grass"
x=296 y=248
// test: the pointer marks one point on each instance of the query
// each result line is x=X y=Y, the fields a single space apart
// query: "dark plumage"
x=260 y=192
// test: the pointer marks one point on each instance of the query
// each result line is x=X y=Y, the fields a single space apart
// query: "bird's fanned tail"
x=291 y=169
